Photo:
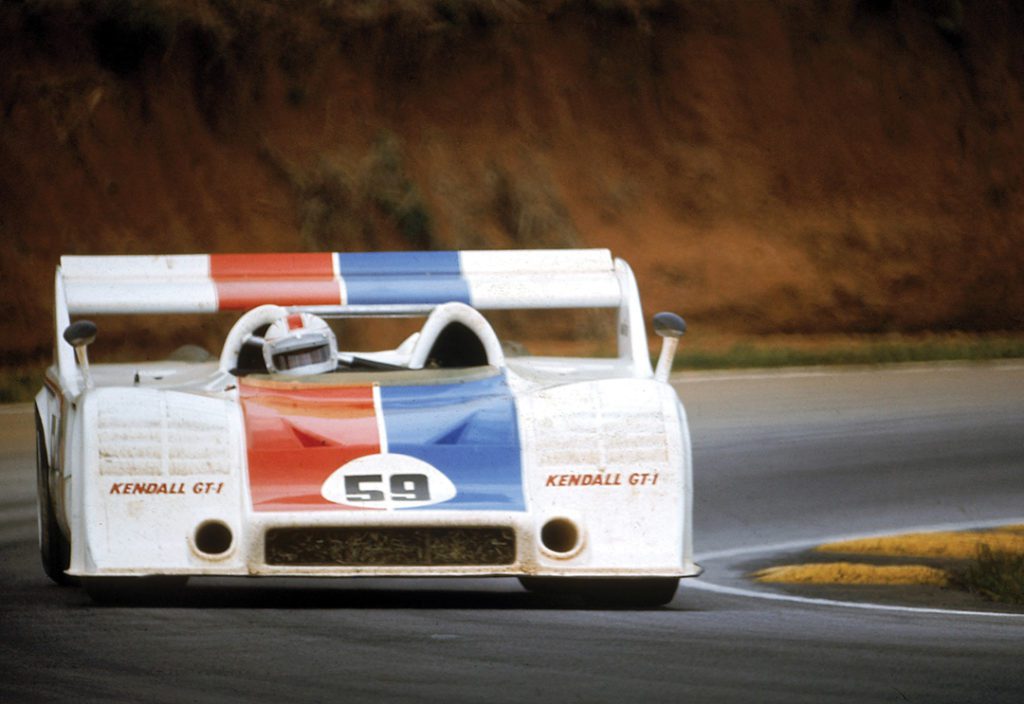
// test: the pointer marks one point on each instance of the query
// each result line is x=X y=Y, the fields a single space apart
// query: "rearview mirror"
x=669 y=325
x=80 y=335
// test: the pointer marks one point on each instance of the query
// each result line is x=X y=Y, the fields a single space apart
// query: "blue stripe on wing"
x=402 y=277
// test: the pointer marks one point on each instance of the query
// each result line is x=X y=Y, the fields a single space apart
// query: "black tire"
x=54 y=547
x=607 y=592
x=135 y=590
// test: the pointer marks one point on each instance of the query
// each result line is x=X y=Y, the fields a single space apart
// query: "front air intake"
x=392 y=546
x=213 y=538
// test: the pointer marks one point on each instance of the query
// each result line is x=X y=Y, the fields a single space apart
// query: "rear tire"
x=54 y=547
x=607 y=592
x=134 y=590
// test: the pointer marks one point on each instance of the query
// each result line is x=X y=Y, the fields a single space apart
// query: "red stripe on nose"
x=298 y=435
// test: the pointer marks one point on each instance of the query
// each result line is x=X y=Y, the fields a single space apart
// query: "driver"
x=299 y=344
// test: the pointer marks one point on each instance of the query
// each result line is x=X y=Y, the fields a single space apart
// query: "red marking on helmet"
x=295 y=321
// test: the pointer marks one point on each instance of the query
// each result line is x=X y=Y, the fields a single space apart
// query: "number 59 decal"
x=387 y=482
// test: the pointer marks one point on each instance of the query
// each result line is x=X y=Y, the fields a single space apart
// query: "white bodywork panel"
x=157 y=450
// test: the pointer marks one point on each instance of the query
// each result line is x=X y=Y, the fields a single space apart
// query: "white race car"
x=287 y=456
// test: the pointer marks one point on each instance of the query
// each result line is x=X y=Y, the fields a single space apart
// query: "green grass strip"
x=752 y=354
x=20 y=384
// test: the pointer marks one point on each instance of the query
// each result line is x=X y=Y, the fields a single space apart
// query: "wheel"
x=54 y=547
x=134 y=590
x=608 y=592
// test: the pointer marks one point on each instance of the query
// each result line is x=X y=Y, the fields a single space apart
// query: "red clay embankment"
x=766 y=167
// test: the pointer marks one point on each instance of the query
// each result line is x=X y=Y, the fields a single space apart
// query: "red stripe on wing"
x=247 y=280
x=302 y=265
x=242 y=295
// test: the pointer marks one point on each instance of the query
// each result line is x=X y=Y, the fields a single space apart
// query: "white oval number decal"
x=387 y=482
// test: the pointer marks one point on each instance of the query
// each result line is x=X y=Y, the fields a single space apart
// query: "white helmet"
x=300 y=343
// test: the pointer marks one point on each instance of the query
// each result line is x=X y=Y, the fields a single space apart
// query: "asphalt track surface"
x=780 y=458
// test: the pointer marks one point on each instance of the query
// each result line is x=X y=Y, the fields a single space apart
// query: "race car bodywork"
x=441 y=457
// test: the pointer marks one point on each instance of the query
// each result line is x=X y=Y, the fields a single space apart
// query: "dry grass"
x=989 y=563
x=959 y=546
x=853 y=573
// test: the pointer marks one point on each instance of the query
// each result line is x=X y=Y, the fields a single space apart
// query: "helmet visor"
x=309 y=353
x=293 y=359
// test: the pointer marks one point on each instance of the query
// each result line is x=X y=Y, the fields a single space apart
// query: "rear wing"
x=205 y=283
x=359 y=283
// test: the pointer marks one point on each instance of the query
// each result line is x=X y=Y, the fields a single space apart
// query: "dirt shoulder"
x=765 y=167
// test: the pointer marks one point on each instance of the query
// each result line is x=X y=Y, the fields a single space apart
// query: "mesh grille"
x=393 y=546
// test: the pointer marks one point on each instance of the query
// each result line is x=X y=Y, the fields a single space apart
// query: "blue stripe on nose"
x=469 y=431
